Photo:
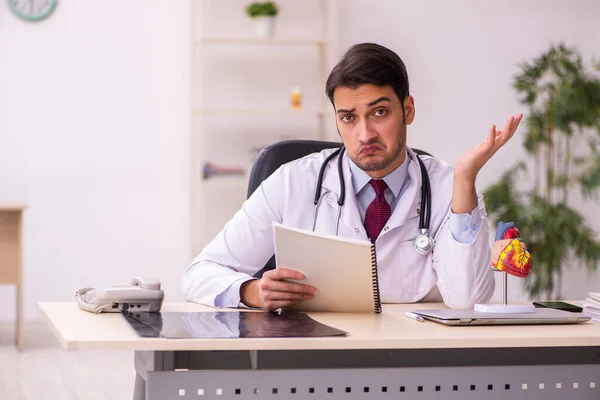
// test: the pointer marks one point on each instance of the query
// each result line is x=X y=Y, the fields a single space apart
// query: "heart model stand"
x=509 y=256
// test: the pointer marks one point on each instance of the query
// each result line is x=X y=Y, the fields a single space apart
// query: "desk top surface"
x=81 y=330
x=12 y=206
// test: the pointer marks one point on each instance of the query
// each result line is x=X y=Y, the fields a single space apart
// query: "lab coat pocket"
x=411 y=267
x=403 y=273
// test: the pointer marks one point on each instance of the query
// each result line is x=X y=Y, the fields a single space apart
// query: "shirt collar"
x=394 y=180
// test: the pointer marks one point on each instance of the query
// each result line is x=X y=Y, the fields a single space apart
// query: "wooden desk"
x=383 y=356
x=11 y=264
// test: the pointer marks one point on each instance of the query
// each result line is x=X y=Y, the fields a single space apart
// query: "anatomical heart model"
x=509 y=256
x=509 y=253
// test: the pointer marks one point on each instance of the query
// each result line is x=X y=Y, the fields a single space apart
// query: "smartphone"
x=559 y=305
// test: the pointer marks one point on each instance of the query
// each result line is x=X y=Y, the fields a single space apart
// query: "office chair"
x=275 y=155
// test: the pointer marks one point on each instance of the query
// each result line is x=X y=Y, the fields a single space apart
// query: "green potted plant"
x=263 y=17
x=562 y=140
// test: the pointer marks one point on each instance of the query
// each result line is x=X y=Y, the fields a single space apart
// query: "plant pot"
x=264 y=26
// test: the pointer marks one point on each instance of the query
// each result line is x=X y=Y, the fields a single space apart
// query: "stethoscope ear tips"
x=424 y=243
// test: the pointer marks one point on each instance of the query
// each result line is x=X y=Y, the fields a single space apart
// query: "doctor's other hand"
x=471 y=162
x=274 y=291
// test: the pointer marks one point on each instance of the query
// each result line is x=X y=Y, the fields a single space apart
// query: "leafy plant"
x=563 y=127
x=261 y=9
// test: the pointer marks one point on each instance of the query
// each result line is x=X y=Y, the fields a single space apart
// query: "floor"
x=45 y=371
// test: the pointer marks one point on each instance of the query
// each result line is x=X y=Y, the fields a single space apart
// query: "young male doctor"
x=369 y=91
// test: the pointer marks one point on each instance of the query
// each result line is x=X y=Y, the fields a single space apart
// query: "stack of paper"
x=591 y=306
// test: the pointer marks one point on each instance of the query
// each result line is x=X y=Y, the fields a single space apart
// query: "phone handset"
x=142 y=295
x=147 y=283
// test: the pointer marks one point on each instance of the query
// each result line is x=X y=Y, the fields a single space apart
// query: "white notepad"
x=343 y=271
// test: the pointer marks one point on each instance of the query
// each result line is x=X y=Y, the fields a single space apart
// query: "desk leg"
x=11 y=263
x=19 y=260
x=139 y=388
x=143 y=362
x=19 y=324
x=149 y=361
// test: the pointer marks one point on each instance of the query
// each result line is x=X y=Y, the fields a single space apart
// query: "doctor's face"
x=370 y=121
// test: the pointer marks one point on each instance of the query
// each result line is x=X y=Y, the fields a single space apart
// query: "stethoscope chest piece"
x=424 y=243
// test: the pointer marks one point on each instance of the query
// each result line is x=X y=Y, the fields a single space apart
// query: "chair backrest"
x=275 y=155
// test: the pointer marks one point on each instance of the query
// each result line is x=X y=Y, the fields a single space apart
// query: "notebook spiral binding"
x=375 y=275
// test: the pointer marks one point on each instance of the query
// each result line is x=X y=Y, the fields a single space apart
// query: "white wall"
x=461 y=56
x=95 y=137
x=95 y=120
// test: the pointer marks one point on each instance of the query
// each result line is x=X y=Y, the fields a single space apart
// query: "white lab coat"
x=461 y=271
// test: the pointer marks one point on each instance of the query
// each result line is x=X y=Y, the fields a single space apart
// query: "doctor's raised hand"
x=275 y=291
x=464 y=196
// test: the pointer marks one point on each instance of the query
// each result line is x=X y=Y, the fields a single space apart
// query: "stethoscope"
x=423 y=243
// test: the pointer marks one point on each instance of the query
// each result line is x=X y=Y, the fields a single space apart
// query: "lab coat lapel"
x=331 y=181
x=409 y=203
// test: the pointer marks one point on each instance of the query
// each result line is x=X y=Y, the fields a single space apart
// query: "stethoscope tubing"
x=424 y=211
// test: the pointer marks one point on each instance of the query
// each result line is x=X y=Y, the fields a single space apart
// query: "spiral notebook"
x=343 y=270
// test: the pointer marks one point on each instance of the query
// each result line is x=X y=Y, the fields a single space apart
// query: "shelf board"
x=259 y=41
x=277 y=111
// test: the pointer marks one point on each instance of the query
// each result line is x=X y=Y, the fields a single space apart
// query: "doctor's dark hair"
x=372 y=63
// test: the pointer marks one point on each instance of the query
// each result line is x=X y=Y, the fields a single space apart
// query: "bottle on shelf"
x=296 y=98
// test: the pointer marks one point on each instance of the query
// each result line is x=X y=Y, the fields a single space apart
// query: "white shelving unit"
x=241 y=96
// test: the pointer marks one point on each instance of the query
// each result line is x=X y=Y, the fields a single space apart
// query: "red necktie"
x=378 y=212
